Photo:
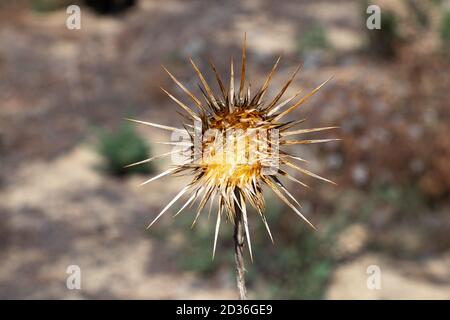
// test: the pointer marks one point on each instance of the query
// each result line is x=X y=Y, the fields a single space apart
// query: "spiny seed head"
x=231 y=146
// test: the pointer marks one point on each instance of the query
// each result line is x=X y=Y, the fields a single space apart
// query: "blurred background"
x=65 y=198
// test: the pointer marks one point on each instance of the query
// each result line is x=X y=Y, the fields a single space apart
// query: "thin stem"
x=239 y=236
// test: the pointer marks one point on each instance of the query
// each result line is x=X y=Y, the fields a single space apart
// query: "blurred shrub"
x=445 y=32
x=49 y=5
x=300 y=263
x=299 y=269
x=382 y=42
x=436 y=2
x=121 y=148
x=313 y=39
x=197 y=251
x=194 y=245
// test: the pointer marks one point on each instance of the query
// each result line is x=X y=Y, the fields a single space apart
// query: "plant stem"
x=239 y=236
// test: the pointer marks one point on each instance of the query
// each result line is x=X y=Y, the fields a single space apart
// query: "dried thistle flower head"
x=231 y=147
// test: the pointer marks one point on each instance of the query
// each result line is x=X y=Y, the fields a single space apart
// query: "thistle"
x=231 y=147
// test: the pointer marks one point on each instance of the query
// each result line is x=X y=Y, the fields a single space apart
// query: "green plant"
x=313 y=39
x=48 y=5
x=445 y=32
x=121 y=148
x=382 y=42
x=436 y=2
x=407 y=200
x=197 y=253
x=300 y=270
x=194 y=252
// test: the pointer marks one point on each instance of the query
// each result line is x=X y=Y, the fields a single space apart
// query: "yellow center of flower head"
x=237 y=140
x=236 y=147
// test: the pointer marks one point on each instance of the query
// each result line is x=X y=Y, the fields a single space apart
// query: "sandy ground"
x=398 y=279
